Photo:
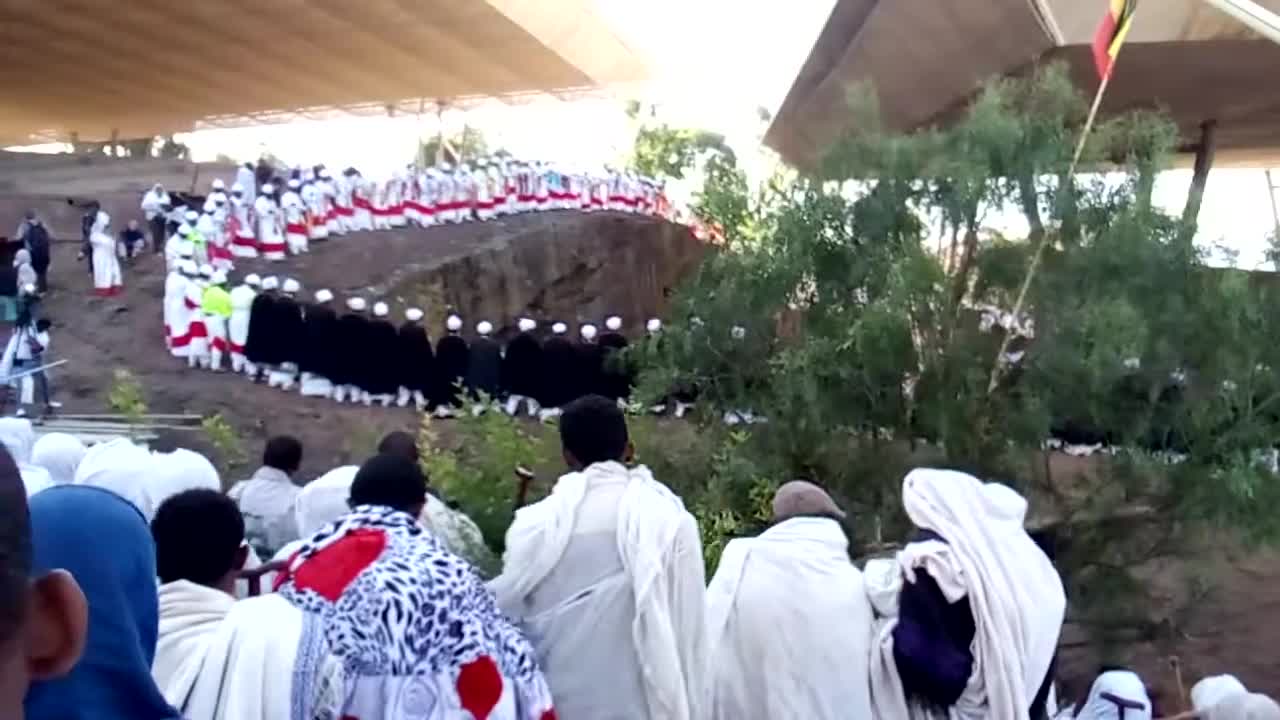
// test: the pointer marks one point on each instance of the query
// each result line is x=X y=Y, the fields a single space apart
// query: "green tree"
x=463 y=146
x=865 y=347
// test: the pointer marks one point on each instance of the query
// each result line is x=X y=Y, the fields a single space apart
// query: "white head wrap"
x=324 y=499
x=654 y=325
x=291 y=286
x=380 y=309
x=453 y=323
x=484 y=327
x=559 y=328
x=218 y=184
x=1211 y=690
x=252 y=280
x=357 y=304
x=323 y=296
x=1121 y=684
x=527 y=325
x=613 y=323
x=270 y=282
x=60 y=454
x=413 y=314
x=121 y=467
x=588 y=332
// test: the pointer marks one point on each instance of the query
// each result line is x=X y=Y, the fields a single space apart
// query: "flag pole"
x=1044 y=239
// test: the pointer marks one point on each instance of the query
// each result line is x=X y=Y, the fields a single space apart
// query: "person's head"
x=104 y=542
x=399 y=443
x=1243 y=706
x=804 y=499
x=593 y=430
x=199 y=536
x=133 y=224
x=43 y=325
x=22 y=257
x=284 y=453
x=391 y=481
x=43 y=616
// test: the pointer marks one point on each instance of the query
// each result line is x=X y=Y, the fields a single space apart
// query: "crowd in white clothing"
x=375 y=609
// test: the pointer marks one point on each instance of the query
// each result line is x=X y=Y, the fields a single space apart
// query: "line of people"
x=600 y=610
x=262 y=328
x=265 y=215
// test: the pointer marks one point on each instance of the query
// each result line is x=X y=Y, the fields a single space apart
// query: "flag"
x=1111 y=34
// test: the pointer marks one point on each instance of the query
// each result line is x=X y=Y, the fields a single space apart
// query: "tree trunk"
x=1204 y=161
x=1031 y=205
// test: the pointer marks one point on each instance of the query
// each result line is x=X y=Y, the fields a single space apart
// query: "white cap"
x=191 y=216
x=237 y=187
x=380 y=309
x=357 y=304
x=268 y=188
x=654 y=325
x=484 y=327
x=559 y=328
x=186 y=251
x=294 y=184
x=252 y=280
x=588 y=332
x=183 y=228
x=527 y=325
x=219 y=278
x=206 y=270
x=738 y=332
x=209 y=205
x=614 y=323
x=218 y=184
x=453 y=323
x=323 y=296
x=324 y=173
x=270 y=282
x=413 y=314
x=291 y=286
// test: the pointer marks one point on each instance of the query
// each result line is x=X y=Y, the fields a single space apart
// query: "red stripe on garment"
x=296 y=228
x=218 y=343
x=198 y=330
x=362 y=204
x=190 y=305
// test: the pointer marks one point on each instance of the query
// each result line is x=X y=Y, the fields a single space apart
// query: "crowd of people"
x=601 y=608
x=265 y=214
x=356 y=352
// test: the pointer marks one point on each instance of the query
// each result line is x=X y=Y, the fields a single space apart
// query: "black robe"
x=589 y=367
x=320 y=331
x=380 y=358
x=616 y=377
x=415 y=361
x=350 y=358
x=484 y=373
x=522 y=366
x=290 y=331
x=559 y=362
x=453 y=357
x=259 y=346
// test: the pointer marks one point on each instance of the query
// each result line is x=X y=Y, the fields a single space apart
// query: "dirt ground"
x=1233 y=632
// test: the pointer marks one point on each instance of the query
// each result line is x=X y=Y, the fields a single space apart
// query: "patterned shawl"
x=418 y=634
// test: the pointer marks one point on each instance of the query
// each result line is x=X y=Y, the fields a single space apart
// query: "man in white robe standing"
x=248 y=182
x=972 y=549
x=605 y=576
x=107 y=278
x=154 y=206
x=242 y=297
x=788 y=620
x=271 y=242
x=295 y=219
x=244 y=242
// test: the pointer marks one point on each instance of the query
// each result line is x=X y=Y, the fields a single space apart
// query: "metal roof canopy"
x=147 y=67
x=926 y=61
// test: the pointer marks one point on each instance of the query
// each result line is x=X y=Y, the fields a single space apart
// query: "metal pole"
x=32 y=371
x=1275 y=210
x=1259 y=19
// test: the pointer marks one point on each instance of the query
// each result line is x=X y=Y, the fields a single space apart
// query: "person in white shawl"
x=1224 y=697
x=319 y=503
x=267 y=499
x=606 y=578
x=788 y=620
x=973 y=551
x=59 y=454
x=18 y=438
x=1116 y=695
x=143 y=478
x=218 y=658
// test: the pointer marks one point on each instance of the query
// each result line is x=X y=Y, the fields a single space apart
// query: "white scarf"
x=1121 y=684
x=121 y=467
x=662 y=556
x=1014 y=592
x=789 y=627
x=190 y=615
x=60 y=454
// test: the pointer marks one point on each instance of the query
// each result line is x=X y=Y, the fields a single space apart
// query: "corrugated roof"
x=146 y=67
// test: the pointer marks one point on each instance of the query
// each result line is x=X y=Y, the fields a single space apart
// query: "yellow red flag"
x=1111 y=34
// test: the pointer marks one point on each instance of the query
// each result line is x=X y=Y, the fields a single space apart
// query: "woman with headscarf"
x=59 y=454
x=416 y=630
x=120 y=467
x=18 y=438
x=26 y=271
x=113 y=680
x=177 y=472
x=1116 y=695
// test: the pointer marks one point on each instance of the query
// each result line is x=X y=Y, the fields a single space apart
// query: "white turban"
x=120 y=467
x=60 y=454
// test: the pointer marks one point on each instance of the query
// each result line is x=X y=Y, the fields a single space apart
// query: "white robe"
x=177 y=472
x=107 y=277
x=1122 y=684
x=122 y=468
x=606 y=578
x=18 y=437
x=271 y=242
x=295 y=219
x=1015 y=594
x=222 y=659
x=244 y=242
x=789 y=627
x=248 y=183
x=242 y=297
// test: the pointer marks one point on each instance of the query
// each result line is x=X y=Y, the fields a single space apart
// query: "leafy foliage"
x=466 y=145
x=225 y=441
x=126 y=397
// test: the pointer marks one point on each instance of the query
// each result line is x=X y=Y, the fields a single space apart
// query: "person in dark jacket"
x=86 y=229
x=415 y=362
x=132 y=239
x=384 y=342
x=351 y=353
x=290 y=336
x=320 y=325
x=260 y=345
x=484 y=370
x=522 y=369
x=35 y=238
x=616 y=376
x=588 y=362
x=559 y=371
x=453 y=357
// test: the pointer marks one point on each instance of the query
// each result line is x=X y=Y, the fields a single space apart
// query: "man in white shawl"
x=605 y=576
x=18 y=438
x=216 y=657
x=979 y=607
x=267 y=499
x=788 y=621
x=319 y=503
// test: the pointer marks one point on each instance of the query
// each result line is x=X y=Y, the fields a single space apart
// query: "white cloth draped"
x=121 y=467
x=18 y=438
x=1015 y=594
x=189 y=618
x=1211 y=690
x=60 y=454
x=177 y=472
x=789 y=627
x=662 y=574
x=1121 y=684
x=267 y=501
x=324 y=499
